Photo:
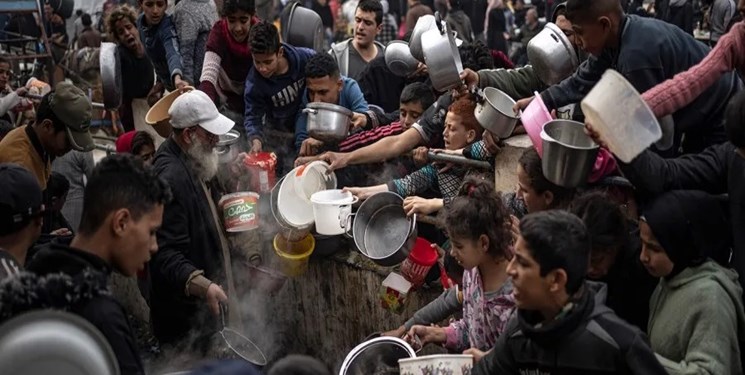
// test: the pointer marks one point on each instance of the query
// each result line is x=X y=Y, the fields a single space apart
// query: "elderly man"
x=353 y=55
x=185 y=272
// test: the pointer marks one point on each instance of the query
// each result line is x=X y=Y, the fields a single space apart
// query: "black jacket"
x=717 y=170
x=590 y=339
x=64 y=278
x=187 y=242
x=652 y=51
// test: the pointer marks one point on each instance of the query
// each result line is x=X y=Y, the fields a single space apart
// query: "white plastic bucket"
x=331 y=209
x=621 y=117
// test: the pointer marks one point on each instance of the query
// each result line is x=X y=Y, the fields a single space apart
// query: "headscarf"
x=124 y=142
x=690 y=226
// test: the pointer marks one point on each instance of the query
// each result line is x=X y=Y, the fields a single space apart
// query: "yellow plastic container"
x=294 y=255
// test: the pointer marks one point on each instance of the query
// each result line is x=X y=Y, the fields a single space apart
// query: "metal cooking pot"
x=552 y=55
x=494 y=112
x=398 y=58
x=328 y=122
x=381 y=230
x=376 y=356
x=423 y=24
x=303 y=28
x=54 y=342
x=111 y=75
x=568 y=153
x=442 y=59
x=227 y=148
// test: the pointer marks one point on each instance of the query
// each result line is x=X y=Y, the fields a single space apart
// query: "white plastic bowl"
x=312 y=178
x=295 y=210
x=621 y=117
x=455 y=364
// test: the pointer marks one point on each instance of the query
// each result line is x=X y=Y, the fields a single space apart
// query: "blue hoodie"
x=277 y=97
x=161 y=46
x=350 y=98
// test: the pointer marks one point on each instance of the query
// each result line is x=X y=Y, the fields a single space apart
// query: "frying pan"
x=239 y=344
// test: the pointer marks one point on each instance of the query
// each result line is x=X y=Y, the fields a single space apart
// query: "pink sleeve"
x=457 y=336
x=676 y=93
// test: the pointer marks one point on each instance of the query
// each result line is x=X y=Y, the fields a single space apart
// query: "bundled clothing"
x=350 y=98
x=64 y=278
x=161 y=46
x=485 y=314
x=696 y=312
x=686 y=87
x=226 y=66
x=193 y=20
x=651 y=51
x=588 y=338
x=278 y=98
x=188 y=244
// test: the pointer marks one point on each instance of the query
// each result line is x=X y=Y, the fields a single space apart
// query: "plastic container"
x=294 y=256
x=619 y=114
x=312 y=178
x=420 y=260
x=331 y=208
x=437 y=364
x=261 y=169
x=534 y=117
x=394 y=292
x=240 y=211
x=296 y=212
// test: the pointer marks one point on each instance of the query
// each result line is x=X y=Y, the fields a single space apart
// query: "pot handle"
x=346 y=224
x=345 y=212
x=223 y=311
x=310 y=110
x=413 y=224
x=438 y=22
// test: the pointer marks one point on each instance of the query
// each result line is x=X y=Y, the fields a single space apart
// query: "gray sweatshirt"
x=438 y=310
x=193 y=20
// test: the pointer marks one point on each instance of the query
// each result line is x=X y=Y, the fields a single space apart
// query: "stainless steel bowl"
x=376 y=356
x=552 y=55
x=568 y=153
x=227 y=148
x=442 y=58
x=494 y=112
x=304 y=28
x=399 y=60
x=423 y=24
x=328 y=122
x=381 y=230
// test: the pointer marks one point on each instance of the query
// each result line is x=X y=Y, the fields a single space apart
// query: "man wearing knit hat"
x=21 y=210
x=62 y=124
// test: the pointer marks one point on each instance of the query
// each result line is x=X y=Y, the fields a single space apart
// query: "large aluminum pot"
x=494 y=112
x=568 y=153
x=442 y=59
x=111 y=75
x=304 y=28
x=328 y=122
x=227 y=147
x=54 y=342
x=398 y=58
x=552 y=55
x=379 y=355
x=381 y=230
x=423 y=24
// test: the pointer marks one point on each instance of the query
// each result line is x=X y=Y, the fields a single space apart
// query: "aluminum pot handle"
x=346 y=224
x=413 y=224
x=345 y=212
x=310 y=110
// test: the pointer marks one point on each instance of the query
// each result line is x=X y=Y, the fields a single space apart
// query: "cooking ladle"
x=239 y=344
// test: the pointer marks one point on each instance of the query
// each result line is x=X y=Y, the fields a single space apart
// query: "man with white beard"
x=187 y=270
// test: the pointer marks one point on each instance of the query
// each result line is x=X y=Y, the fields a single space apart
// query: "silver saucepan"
x=328 y=122
x=494 y=112
x=442 y=58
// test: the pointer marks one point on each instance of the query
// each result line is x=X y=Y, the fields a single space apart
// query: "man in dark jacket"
x=562 y=325
x=187 y=269
x=646 y=52
x=123 y=209
x=21 y=211
x=719 y=169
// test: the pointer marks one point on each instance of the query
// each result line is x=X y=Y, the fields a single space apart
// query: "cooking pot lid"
x=330 y=107
x=54 y=342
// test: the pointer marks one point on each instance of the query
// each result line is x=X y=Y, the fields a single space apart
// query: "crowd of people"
x=634 y=272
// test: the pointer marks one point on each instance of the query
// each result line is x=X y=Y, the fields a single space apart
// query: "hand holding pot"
x=214 y=296
x=398 y=332
x=310 y=147
x=470 y=78
x=521 y=104
x=420 y=156
x=592 y=133
x=363 y=193
x=422 y=206
x=491 y=142
x=256 y=145
x=427 y=335
x=359 y=120
x=336 y=160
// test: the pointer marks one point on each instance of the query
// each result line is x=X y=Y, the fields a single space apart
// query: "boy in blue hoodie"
x=273 y=90
x=161 y=43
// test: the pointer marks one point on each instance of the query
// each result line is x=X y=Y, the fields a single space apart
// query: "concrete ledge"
x=505 y=165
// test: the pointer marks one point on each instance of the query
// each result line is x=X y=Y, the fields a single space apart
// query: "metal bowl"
x=377 y=356
x=111 y=75
x=568 y=153
x=304 y=28
x=399 y=60
x=227 y=149
x=552 y=55
x=494 y=112
x=328 y=122
x=423 y=24
x=442 y=58
x=381 y=230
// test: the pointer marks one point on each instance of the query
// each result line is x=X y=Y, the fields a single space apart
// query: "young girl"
x=696 y=313
x=461 y=129
x=477 y=223
x=228 y=58
x=161 y=43
x=534 y=190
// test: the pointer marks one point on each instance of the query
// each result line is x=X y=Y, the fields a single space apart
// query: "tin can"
x=240 y=211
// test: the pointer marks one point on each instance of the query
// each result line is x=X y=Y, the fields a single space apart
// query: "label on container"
x=240 y=212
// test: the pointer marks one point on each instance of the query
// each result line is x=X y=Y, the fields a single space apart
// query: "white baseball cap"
x=196 y=108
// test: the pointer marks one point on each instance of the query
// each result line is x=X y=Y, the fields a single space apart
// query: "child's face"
x=147 y=153
x=653 y=256
x=4 y=75
x=532 y=291
x=127 y=34
x=409 y=113
x=469 y=253
x=154 y=10
x=239 y=22
x=592 y=36
x=534 y=201
x=267 y=63
x=455 y=134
